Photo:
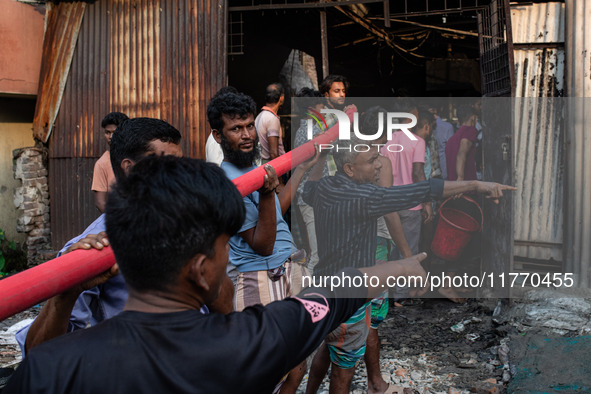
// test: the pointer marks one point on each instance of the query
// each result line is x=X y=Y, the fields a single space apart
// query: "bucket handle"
x=469 y=200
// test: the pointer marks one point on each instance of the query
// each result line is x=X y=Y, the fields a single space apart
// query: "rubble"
x=421 y=354
x=10 y=353
x=558 y=311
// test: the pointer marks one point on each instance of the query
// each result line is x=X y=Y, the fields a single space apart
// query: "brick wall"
x=32 y=199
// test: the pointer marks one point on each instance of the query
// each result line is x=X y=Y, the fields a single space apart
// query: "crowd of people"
x=207 y=293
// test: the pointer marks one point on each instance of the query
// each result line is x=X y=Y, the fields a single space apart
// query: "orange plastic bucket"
x=454 y=230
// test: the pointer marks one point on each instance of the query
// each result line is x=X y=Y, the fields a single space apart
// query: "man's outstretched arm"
x=490 y=190
x=407 y=267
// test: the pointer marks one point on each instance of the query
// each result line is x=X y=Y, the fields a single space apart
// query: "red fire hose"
x=27 y=288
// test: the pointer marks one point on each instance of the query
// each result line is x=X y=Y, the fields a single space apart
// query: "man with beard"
x=334 y=88
x=267 y=268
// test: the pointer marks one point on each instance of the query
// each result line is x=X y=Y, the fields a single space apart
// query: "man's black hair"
x=273 y=93
x=231 y=104
x=132 y=140
x=405 y=105
x=332 y=78
x=312 y=98
x=369 y=122
x=113 y=118
x=424 y=117
x=166 y=211
x=465 y=112
x=308 y=92
x=226 y=89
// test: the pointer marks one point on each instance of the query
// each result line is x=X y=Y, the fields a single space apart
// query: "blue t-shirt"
x=241 y=254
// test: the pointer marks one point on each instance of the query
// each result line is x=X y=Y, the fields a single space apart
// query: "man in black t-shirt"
x=168 y=223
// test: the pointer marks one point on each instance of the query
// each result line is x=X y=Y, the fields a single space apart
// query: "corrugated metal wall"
x=156 y=58
x=578 y=86
x=538 y=38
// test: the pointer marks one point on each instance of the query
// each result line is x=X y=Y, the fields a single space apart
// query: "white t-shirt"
x=213 y=151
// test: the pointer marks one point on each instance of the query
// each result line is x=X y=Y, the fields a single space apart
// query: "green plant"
x=12 y=257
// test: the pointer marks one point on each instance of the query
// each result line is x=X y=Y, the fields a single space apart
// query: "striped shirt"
x=346 y=215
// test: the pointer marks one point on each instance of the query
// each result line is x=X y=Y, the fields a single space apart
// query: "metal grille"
x=396 y=9
x=235 y=34
x=496 y=52
x=437 y=7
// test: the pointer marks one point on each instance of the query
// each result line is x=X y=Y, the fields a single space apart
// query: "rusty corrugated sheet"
x=180 y=54
x=61 y=32
x=538 y=37
x=578 y=86
x=86 y=97
x=155 y=58
x=73 y=209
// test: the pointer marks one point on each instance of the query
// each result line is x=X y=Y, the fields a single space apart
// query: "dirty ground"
x=537 y=344
x=10 y=354
x=421 y=353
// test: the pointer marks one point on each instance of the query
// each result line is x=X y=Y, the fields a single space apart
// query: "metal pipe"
x=53 y=277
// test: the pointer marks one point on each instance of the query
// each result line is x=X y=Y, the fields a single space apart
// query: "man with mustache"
x=264 y=266
x=334 y=88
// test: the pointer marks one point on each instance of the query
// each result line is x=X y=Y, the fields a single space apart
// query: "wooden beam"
x=457 y=31
x=354 y=42
x=368 y=25
x=387 y=13
x=324 y=41
x=377 y=31
x=302 y=5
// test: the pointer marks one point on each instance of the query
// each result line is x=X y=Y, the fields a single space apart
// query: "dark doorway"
x=421 y=54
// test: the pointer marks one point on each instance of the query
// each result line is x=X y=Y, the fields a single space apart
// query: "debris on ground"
x=422 y=353
x=539 y=343
x=10 y=353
